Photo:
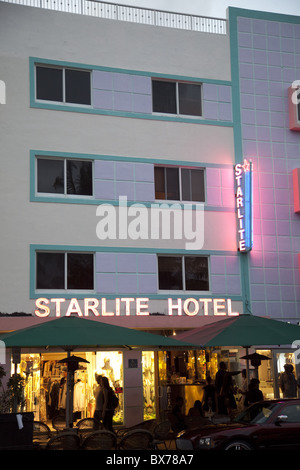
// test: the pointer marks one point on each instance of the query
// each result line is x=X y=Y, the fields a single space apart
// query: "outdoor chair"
x=59 y=423
x=67 y=440
x=87 y=426
x=139 y=439
x=41 y=429
x=149 y=425
x=100 y=440
x=163 y=433
x=41 y=434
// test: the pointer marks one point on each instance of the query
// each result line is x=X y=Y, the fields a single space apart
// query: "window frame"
x=183 y=274
x=65 y=289
x=63 y=69
x=177 y=83
x=180 y=168
x=64 y=194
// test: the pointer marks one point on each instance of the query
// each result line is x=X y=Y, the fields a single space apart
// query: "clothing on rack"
x=79 y=396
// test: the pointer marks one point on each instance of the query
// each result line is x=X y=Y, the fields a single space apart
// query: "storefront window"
x=283 y=358
x=162 y=367
x=29 y=369
x=45 y=383
x=149 y=385
x=212 y=364
x=110 y=364
x=265 y=375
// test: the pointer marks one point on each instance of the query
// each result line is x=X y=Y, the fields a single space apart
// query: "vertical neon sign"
x=243 y=199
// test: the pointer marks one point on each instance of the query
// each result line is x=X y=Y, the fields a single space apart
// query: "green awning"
x=243 y=330
x=74 y=332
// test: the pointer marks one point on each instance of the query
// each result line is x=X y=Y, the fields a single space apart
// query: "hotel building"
x=150 y=179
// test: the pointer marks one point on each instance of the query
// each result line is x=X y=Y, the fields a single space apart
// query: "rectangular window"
x=63 y=85
x=187 y=273
x=64 y=271
x=64 y=176
x=173 y=97
x=179 y=184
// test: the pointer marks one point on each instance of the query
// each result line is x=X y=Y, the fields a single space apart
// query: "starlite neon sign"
x=243 y=200
x=131 y=307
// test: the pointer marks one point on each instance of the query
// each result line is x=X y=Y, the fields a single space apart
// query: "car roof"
x=280 y=400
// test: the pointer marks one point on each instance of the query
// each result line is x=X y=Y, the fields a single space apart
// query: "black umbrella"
x=72 y=363
x=256 y=359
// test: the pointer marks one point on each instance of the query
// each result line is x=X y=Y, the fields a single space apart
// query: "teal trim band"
x=151 y=117
x=122 y=249
x=245 y=282
x=238 y=145
x=236 y=110
x=148 y=296
x=122 y=158
x=174 y=205
x=91 y=110
x=234 y=13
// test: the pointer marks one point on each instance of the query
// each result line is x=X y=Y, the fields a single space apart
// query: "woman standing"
x=104 y=409
x=99 y=398
x=227 y=392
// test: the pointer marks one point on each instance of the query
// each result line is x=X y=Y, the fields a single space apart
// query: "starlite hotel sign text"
x=129 y=306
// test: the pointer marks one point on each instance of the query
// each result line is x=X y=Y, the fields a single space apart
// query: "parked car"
x=269 y=425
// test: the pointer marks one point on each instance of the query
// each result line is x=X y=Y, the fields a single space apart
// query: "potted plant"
x=4 y=394
x=16 y=427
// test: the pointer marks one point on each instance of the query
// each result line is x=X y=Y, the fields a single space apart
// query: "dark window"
x=80 y=271
x=166 y=183
x=51 y=271
x=170 y=273
x=79 y=178
x=196 y=273
x=298 y=101
x=160 y=184
x=63 y=85
x=192 y=184
x=173 y=97
x=183 y=273
x=189 y=99
x=50 y=176
x=65 y=176
x=164 y=97
x=78 y=86
x=49 y=84
x=179 y=184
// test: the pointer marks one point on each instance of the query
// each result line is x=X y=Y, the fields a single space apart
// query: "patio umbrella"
x=244 y=330
x=70 y=333
x=72 y=363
